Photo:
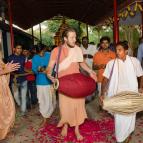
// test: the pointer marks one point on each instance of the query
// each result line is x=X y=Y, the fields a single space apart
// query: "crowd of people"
x=32 y=78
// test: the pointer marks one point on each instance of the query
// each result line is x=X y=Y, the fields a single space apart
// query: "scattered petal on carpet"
x=93 y=131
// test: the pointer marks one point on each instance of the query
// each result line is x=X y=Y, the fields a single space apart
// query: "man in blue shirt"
x=44 y=94
x=19 y=83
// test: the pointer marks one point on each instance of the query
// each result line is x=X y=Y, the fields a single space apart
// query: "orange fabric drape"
x=7 y=106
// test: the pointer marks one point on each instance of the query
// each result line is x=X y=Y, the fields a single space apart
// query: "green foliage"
x=95 y=32
x=53 y=25
x=74 y=24
x=131 y=34
x=49 y=40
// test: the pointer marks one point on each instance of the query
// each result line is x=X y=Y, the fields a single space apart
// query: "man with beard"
x=72 y=110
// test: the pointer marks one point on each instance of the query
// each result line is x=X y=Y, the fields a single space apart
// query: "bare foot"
x=10 y=135
x=64 y=131
x=47 y=120
x=128 y=139
x=79 y=136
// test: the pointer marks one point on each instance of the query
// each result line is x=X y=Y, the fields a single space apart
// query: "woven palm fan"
x=126 y=102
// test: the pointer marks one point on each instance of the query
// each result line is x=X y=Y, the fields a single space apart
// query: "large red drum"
x=76 y=85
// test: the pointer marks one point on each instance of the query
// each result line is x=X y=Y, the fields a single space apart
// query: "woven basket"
x=126 y=102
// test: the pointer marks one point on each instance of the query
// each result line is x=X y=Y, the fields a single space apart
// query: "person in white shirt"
x=121 y=75
x=88 y=51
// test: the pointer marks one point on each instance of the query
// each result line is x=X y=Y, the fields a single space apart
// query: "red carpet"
x=93 y=131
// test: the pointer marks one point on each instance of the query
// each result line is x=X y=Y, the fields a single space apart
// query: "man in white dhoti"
x=88 y=52
x=43 y=84
x=121 y=75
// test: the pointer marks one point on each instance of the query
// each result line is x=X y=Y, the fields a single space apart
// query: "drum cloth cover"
x=76 y=85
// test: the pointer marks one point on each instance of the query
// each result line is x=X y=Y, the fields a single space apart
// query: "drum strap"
x=110 y=75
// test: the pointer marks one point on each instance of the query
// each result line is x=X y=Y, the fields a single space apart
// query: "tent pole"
x=32 y=32
x=79 y=29
x=87 y=31
x=142 y=21
x=115 y=23
x=40 y=33
x=10 y=23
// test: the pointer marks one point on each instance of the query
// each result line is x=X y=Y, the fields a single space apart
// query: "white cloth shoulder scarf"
x=130 y=76
x=74 y=55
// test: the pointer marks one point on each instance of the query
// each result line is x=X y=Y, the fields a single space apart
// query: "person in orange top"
x=72 y=110
x=101 y=58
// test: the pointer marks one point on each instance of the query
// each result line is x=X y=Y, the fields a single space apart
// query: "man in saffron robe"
x=72 y=110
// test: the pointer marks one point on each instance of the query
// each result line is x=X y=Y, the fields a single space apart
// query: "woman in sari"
x=7 y=106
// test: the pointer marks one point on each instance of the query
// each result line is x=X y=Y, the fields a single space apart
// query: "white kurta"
x=91 y=50
x=124 y=78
